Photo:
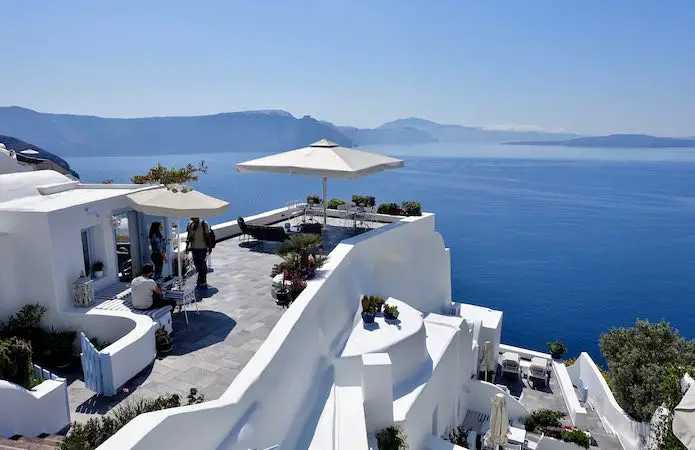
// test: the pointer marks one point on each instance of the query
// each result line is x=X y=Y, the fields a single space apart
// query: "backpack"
x=212 y=240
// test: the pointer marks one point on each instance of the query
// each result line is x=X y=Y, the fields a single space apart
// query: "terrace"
x=236 y=315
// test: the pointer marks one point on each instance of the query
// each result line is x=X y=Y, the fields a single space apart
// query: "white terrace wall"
x=630 y=432
x=576 y=410
x=288 y=379
x=481 y=393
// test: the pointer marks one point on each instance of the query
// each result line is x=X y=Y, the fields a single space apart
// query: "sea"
x=568 y=242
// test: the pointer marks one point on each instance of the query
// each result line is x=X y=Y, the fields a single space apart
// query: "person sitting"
x=145 y=292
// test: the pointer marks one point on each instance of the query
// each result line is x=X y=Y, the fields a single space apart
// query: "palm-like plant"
x=300 y=250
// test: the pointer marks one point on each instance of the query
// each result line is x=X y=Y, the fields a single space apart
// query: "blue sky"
x=591 y=66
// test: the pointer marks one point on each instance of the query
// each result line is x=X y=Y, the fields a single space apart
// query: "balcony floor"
x=236 y=315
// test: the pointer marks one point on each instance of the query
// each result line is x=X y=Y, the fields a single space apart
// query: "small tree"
x=165 y=175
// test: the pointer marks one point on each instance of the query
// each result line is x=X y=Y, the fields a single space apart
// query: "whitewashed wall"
x=576 y=411
x=480 y=400
x=43 y=409
x=630 y=432
x=547 y=443
x=286 y=387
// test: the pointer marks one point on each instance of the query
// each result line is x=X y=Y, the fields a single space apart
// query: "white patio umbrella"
x=325 y=159
x=499 y=422
x=684 y=418
x=177 y=201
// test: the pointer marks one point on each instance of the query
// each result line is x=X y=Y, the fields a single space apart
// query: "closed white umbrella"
x=325 y=159
x=684 y=419
x=29 y=152
x=177 y=201
x=499 y=422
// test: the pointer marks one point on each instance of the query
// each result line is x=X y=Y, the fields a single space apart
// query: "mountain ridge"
x=616 y=141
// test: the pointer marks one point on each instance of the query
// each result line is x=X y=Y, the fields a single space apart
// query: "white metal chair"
x=187 y=298
x=538 y=371
x=510 y=363
x=343 y=215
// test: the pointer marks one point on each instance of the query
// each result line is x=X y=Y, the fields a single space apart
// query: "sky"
x=586 y=66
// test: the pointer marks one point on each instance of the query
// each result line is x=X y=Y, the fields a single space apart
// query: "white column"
x=377 y=389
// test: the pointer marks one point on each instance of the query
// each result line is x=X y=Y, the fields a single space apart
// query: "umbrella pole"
x=178 y=253
x=324 y=202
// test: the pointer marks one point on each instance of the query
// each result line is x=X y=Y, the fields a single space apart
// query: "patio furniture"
x=265 y=233
x=516 y=435
x=245 y=233
x=311 y=228
x=344 y=215
x=117 y=297
x=184 y=298
x=538 y=371
x=510 y=363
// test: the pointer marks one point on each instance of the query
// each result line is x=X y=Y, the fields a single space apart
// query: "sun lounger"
x=510 y=363
x=538 y=371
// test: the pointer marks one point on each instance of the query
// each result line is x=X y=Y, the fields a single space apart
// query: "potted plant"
x=297 y=285
x=368 y=309
x=163 y=341
x=391 y=438
x=282 y=292
x=98 y=269
x=557 y=348
x=390 y=312
x=313 y=199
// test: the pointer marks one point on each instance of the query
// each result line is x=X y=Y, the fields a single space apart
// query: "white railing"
x=629 y=432
x=576 y=410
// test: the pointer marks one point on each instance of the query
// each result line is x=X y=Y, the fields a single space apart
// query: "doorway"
x=124 y=247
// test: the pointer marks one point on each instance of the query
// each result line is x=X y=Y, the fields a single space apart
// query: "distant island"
x=616 y=141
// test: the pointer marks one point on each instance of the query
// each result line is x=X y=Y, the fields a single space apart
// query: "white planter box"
x=43 y=409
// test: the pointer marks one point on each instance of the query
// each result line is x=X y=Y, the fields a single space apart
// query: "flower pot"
x=283 y=296
x=557 y=356
x=368 y=318
x=165 y=347
x=388 y=316
x=98 y=274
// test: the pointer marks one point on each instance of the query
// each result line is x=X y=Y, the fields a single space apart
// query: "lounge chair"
x=311 y=228
x=264 y=233
x=538 y=371
x=510 y=363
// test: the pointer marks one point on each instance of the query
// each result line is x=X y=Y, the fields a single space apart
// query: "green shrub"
x=390 y=208
x=458 y=436
x=334 y=203
x=412 y=208
x=96 y=431
x=576 y=437
x=557 y=348
x=313 y=199
x=644 y=363
x=391 y=438
x=541 y=418
x=26 y=326
x=15 y=362
x=366 y=200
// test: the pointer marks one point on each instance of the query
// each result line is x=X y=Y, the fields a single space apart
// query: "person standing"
x=199 y=241
x=159 y=255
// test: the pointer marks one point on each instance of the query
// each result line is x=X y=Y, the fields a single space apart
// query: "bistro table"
x=516 y=435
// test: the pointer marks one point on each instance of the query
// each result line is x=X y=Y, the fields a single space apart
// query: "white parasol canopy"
x=177 y=201
x=499 y=422
x=323 y=158
x=684 y=418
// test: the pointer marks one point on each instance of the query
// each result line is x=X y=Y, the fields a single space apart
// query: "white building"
x=322 y=379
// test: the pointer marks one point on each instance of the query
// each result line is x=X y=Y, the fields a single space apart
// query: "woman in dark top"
x=159 y=256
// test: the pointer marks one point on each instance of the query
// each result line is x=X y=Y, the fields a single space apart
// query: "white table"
x=516 y=435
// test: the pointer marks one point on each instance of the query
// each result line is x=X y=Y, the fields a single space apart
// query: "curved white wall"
x=630 y=432
x=481 y=393
x=286 y=382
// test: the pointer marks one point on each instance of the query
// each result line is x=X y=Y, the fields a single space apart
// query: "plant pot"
x=556 y=356
x=389 y=317
x=368 y=318
x=283 y=296
x=165 y=348
x=98 y=274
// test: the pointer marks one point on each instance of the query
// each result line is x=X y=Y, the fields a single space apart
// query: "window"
x=87 y=250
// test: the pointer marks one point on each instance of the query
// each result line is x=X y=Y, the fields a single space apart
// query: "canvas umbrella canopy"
x=177 y=201
x=325 y=159
x=684 y=419
x=499 y=423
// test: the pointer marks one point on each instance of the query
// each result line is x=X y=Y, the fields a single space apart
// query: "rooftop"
x=236 y=316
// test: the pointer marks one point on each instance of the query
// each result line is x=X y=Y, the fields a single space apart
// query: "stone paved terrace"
x=550 y=397
x=236 y=316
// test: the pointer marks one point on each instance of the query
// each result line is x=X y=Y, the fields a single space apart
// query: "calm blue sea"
x=567 y=242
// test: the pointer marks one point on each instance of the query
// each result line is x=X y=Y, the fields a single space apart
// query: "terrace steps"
x=41 y=442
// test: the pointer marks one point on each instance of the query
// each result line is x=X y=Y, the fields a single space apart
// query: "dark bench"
x=263 y=233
